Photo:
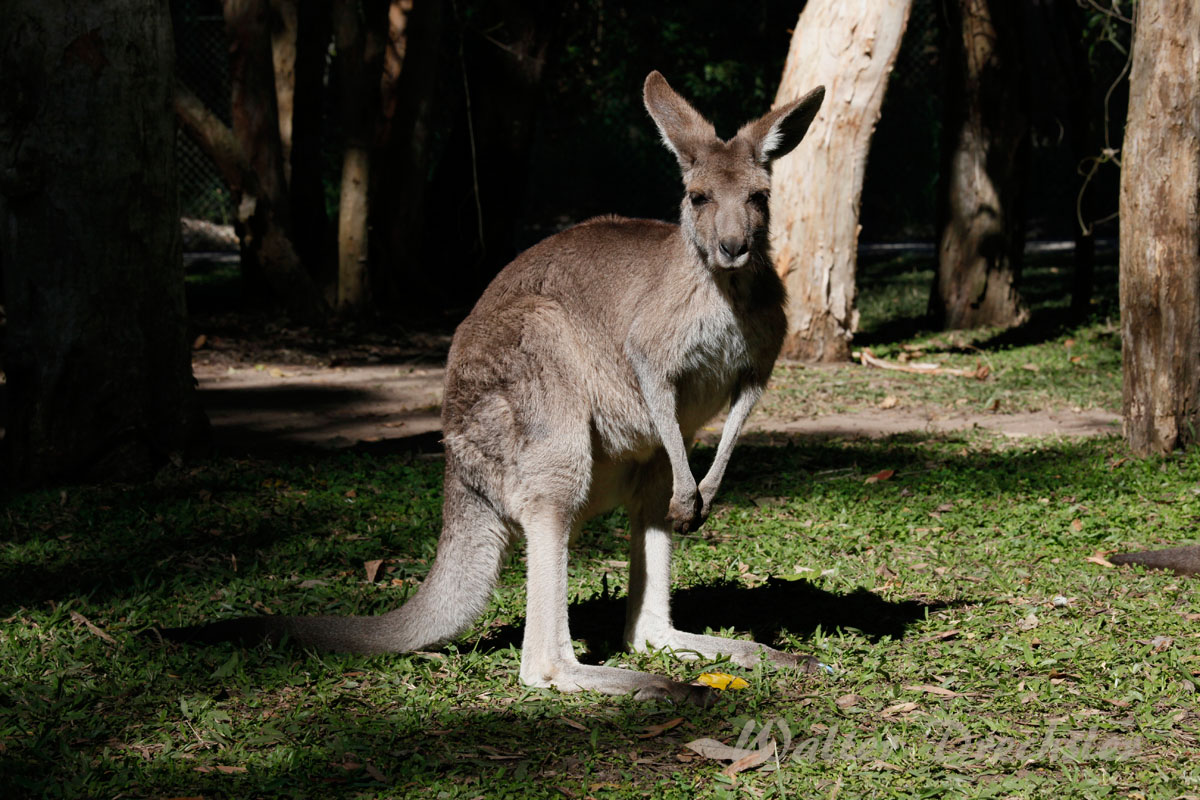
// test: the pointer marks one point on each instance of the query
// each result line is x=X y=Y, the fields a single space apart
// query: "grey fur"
x=576 y=385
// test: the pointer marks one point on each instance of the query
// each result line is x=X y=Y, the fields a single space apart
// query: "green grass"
x=973 y=650
x=1047 y=364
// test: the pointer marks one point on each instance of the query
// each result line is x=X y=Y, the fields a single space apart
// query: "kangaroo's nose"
x=733 y=248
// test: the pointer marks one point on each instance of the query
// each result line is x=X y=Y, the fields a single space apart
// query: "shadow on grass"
x=798 y=607
x=217 y=524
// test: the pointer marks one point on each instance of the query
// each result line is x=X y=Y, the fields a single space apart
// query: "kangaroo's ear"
x=682 y=128
x=777 y=132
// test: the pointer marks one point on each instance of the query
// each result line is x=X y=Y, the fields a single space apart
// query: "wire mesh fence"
x=205 y=202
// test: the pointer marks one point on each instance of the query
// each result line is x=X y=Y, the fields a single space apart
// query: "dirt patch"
x=300 y=402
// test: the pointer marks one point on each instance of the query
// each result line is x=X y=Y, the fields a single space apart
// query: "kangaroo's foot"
x=741 y=652
x=572 y=676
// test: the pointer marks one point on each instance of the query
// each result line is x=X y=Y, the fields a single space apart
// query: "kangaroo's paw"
x=575 y=677
x=741 y=652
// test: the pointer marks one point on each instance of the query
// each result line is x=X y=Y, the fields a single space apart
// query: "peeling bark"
x=1160 y=230
x=817 y=190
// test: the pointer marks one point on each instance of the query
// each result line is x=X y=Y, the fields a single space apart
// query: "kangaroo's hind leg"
x=648 y=617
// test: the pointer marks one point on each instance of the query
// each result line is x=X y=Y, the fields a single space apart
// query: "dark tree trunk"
x=284 y=30
x=479 y=185
x=401 y=178
x=310 y=224
x=98 y=369
x=269 y=260
x=985 y=148
x=1160 y=230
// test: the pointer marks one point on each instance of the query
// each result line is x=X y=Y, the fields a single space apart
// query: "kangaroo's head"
x=724 y=213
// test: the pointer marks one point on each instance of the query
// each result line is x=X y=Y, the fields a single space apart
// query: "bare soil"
x=292 y=389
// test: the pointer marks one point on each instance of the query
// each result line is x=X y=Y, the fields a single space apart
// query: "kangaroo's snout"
x=734 y=248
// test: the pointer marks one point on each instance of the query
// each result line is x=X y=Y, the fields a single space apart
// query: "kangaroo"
x=576 y=385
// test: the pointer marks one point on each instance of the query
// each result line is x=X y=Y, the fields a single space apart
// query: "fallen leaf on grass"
x=931 y=689
x=754 y=759
x=372 y=568
x=1029 y=623
x=579 y=726
x=661 y=728
x=1077 y=525
x=82 y=620
x=847 y=701
x=222 y=768
x=882 y=475
x=1117 y=703
x=900 y=708
x=721 y=681
x=1099 y=558
x=742 y=758
x=891 y=401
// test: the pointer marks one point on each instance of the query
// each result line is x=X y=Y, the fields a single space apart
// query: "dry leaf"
x=1099 y=558
x=900 y=708
x=847 y=701
x=579 y=726
x=661 y=728
x=1077 y=525
x=891 y=401
x=1031 y=367
x=711 y=748
x=1029 y=623
x=1118 y=703
x=372 y=568
x=751 y=760
x=199 y=342
x=96 y=631
x=721 y=681
x=936 y=637
x=882 y=475
x=931 y=689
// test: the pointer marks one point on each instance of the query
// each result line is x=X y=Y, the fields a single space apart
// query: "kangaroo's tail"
x=1184 y=560
x=459 y=585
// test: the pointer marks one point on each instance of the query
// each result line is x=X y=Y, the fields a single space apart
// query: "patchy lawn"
x=952 y=582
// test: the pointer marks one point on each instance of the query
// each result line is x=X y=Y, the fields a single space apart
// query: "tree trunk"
x=284 y=30
x=310 y=223
x=269 y=260
x=815 y=193
x=401 y=177
x=1160 y=229
x=360 y=55
x=98 y=365
x=986 y=149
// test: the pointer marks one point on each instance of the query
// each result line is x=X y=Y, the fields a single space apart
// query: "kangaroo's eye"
x=698 y=199
x=760 y=198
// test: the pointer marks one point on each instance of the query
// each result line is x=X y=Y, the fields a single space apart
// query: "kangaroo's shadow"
x=798 y=607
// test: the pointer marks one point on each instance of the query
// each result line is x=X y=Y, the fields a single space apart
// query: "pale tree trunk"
x=99 y=377
x=849 y=47
x=1160 y=230
x=360 y=55
x=268 y=256
x=981 y=233
x=284 y=29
